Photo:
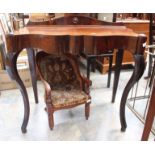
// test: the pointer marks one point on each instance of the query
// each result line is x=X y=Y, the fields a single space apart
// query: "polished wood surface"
x=76 y=30
x=100 y=38
x=31 y=33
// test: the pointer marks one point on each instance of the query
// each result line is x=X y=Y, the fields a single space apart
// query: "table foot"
x=123 y=129
x=24 y=130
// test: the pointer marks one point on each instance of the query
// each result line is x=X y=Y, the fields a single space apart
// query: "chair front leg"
x=50 y=112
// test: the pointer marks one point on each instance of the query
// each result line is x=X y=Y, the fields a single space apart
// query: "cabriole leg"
x=11 y=66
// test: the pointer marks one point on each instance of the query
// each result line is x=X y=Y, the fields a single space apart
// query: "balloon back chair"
x=64 y=86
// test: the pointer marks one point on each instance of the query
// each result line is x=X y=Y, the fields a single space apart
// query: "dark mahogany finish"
x=44 y=37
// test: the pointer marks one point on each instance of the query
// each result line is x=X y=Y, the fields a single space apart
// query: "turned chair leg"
x=50 y=112
x=51 y=120
x=87 y=110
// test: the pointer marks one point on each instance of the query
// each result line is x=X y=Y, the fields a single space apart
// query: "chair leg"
x=51 y=120
x=50 y=116
x=109 y=72
x=87 y=110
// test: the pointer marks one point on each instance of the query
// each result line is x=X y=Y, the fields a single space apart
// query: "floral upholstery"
x=63 y=98
x=59 y=73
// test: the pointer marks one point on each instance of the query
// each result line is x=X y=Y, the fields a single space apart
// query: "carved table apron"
x=42 y=37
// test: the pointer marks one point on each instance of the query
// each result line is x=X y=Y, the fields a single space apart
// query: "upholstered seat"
x=64 y=85
x=66 y=98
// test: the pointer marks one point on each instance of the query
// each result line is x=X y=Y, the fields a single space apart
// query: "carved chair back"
x=60 y=71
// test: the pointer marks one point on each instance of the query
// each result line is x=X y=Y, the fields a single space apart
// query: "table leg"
x=93 y=64
x=11 y=66
x=88 y=67
x=90 y=61
x=110 y=70
x=137 y=74
x=118 y=64
x=32 y=65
